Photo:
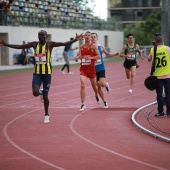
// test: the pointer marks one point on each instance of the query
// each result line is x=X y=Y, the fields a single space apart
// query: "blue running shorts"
x=42 y=78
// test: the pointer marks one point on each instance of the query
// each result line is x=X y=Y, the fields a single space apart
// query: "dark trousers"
x=159 y=90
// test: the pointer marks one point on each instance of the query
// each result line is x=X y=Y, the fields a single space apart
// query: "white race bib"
x=131 y=56
x=40 y=58
x=85 y=62
x=98 y=62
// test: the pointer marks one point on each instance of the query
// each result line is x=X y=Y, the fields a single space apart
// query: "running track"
x=97 y=139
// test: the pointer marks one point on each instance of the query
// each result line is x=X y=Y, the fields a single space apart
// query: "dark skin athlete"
x=42 y=40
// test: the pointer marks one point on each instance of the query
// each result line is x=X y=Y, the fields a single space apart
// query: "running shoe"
x=160 y=114
x=82 y=107
x=62 y=72
x=130 y=91
x=71 y=73
x=106 y=105
x=41 y=96
x=107 y=87
x=98 y=99
x=46 y=119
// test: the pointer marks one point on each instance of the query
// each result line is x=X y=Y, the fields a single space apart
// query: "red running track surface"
x=96 y=139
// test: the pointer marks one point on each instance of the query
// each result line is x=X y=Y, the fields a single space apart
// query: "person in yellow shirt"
x=43 y=68
x=162 y=72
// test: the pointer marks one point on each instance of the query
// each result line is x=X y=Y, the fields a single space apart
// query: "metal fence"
x=145 y=50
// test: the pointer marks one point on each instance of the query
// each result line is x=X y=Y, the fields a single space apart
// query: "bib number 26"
x=161 y=62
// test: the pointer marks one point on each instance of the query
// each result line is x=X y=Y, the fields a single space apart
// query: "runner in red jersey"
x=88 y=55
x=87 y=65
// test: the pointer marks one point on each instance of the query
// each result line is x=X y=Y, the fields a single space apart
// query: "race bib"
x=131 y=56
x=85 y=62
x=40 y=58
x=98 y=62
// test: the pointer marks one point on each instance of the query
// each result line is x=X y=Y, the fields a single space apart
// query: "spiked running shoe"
x=107 y=87
x=62 y=72
x=46 y=119
x=105 y=105
x=82 y=108
x=130 y=91
x=71 y=73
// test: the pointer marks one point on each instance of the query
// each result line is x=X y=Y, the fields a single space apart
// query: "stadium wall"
x=112 y=40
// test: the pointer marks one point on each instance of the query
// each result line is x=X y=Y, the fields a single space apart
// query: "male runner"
x=66 y=57
x=129 y=52
x=43 y=68
x=88 y=55
x=100 y=69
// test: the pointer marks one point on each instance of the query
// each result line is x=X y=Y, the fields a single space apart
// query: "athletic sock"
x=68 y=68
x=63 y=67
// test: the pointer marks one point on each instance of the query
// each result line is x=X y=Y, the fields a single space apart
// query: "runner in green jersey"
x=129 y=52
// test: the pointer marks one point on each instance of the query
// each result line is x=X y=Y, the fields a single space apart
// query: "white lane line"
x=108 y=150
x=69 y=91
x=23 y=150
x=69 y=84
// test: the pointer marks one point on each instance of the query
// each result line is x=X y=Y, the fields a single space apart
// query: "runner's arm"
x=122 y=53
x=96 y=52
x=138 y=50
x=109 y=54
x=58 y=44
x=28 y=45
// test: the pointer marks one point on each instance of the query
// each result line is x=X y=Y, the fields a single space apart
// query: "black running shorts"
x=100 y=74
x=129 y=63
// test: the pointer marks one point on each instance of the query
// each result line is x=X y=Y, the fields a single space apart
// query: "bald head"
x=43 y=32
x=159 y=40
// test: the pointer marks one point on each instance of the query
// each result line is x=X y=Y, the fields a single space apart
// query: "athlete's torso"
x=42 y=59
x=67 y=47
x=131 y=52
x=87 y=51
x=99 y=64
x=162 y=61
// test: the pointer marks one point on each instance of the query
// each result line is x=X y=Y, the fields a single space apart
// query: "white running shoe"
x=71 y=73
x=106 y=105
x=41 y=96
x=130 y=91
x=82 y=108
x=46 y=119
x=62 y=72
x=108 y=87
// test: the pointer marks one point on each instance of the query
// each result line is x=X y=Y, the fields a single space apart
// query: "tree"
x=144 y=32
x=152 y=25
x=84 y=4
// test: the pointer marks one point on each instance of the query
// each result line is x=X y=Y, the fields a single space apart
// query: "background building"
x=132 y=11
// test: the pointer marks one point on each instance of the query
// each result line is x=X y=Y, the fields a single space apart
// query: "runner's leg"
x=82 y=89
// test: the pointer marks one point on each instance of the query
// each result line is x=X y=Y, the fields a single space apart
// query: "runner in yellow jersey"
x=43 y=68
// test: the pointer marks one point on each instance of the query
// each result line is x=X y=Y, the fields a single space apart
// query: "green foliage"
x=144 y=32
x=84 y=4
